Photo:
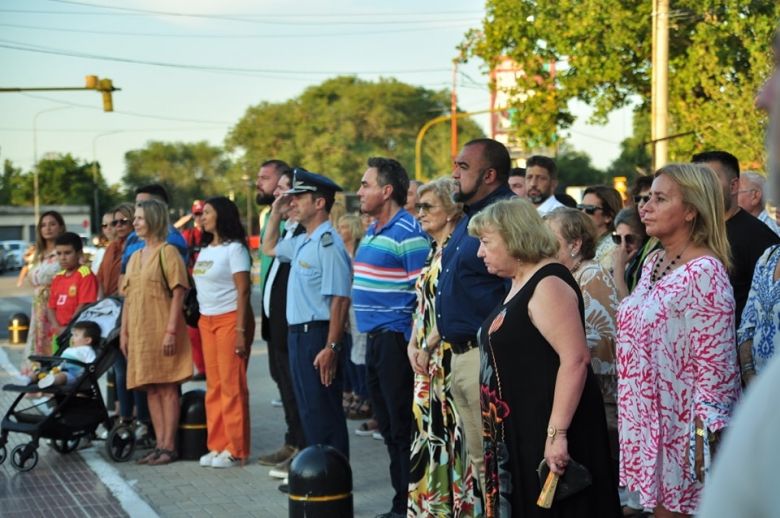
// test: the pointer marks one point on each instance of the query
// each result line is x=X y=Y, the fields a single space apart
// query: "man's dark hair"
x=566 y=200
x=155 y=190
x=517 y=171
x=724 y=158
x=495 y=154
x=391 y=172
x=70 y=238
x=545 y=162
x=280 y=165
x=288 y=173
x=91 y=330
x=642 y=183
x=329 y=197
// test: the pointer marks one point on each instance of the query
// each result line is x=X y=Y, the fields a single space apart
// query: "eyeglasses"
x=425 y=207
x=117 y=222
x=589 y=209
x=641 y=198
x=630 y=239
x=105 y=225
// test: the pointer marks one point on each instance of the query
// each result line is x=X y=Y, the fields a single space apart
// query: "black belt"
x=308 y=326
x=374 y=334
x=464 y=347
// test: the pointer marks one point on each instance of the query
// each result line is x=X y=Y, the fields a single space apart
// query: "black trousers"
x=279 y=365
x=391 y=388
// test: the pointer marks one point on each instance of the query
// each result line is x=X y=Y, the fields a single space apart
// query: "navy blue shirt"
x=467 y=293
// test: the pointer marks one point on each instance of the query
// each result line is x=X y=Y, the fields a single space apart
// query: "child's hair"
x=70 y=238
x=91 y=331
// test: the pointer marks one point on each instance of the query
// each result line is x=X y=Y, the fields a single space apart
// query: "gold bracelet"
x=700 y=432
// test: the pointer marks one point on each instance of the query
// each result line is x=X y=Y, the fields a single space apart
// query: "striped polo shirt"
x=387 y=264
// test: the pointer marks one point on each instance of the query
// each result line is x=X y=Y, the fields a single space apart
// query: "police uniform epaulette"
x=326 y=239
x=84 y=270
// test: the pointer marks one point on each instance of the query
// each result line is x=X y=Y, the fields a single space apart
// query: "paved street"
x=89 y=483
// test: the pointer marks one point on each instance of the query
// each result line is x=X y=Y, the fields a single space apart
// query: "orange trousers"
x=227 y=395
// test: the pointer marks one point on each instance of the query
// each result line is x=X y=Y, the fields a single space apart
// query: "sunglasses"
x=425 y=207
x=117 y=222
x=630 y=239
x=105 y=225
x=641 y=198
x=589 y=209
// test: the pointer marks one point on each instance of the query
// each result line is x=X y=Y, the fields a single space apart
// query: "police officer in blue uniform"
x=318 y=293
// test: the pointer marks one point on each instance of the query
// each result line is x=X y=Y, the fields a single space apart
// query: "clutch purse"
x=574 y=479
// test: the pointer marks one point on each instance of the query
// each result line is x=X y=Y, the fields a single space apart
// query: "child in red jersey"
x=73 y=287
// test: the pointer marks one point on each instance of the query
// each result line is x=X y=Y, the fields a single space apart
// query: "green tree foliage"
x=334 y=127
x=62 y=180
x=718 y=57
x=575 y=168
x=9 y=181
x=188 y=171
x=635 y=157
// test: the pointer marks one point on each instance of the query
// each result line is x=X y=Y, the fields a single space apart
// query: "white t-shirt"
x=82 y=353
x=213 y=275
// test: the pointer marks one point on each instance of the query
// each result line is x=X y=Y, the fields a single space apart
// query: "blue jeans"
x=129 y=398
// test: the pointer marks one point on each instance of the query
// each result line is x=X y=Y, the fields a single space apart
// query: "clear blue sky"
x=235 y=55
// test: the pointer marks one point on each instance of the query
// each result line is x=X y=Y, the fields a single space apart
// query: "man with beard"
x=748 y=237
x=541 y=180
x=272 y=173
x=467 y=293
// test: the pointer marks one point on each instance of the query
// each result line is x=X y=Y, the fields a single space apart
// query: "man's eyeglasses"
x=117 y=222
x=425 y=207
x=630 y=239
x=589 y=209
x=641 y=198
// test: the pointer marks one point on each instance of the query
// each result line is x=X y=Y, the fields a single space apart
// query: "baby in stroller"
x=85 y=335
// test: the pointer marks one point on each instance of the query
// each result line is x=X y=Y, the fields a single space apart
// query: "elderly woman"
x=602 y=203
x=227 y=327
x=576 y=236
x=757 y=335
x=677 y=365
x=629 y=252
x=40 y=272
x=153 y=335
x=540 y=399
x=110 y=266
x=441 y=482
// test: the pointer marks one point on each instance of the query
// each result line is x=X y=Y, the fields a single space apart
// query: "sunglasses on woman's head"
x=630 y=239
x=123 y=221
x=644 y=198
x=589 y=209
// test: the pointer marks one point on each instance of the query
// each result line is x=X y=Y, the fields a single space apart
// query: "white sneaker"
x=46 y=381
x=207 y=459
x=377 y=436
x=224 y=460
x=276 y=403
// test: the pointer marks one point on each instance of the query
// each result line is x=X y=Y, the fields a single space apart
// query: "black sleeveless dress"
x=518 y=369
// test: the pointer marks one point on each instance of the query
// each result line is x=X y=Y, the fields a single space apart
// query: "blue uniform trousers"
x=319 y=407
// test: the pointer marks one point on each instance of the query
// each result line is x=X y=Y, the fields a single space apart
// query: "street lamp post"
x=36 y=192
x=246 y=179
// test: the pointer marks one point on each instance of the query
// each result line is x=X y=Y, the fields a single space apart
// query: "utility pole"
x=453 y=111
x=659 y=130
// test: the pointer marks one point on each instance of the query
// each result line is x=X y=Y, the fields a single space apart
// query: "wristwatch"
x=336 y=346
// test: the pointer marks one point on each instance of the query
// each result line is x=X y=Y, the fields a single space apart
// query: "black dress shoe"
x=284 y=488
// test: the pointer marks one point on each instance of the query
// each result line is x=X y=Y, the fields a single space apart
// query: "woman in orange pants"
x=226 y=326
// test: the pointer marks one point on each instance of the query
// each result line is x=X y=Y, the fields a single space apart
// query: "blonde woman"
x=676 y=353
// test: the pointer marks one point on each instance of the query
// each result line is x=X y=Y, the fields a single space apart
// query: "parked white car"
x=14 y=253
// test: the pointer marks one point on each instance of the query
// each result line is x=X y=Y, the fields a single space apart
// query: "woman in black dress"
x=539 y=397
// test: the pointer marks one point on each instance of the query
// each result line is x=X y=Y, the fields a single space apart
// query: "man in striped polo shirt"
x=387 y=265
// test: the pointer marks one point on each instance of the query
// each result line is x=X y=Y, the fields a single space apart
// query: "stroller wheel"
x=120 y=443
x=3 y=454
x=65 y=445
x=22 y=459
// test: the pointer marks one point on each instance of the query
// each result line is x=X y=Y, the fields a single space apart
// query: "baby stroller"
x=78 y=408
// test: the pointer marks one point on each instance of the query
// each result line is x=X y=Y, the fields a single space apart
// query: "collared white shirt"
x=549 y=205
x=289 y=228
x=765 y=218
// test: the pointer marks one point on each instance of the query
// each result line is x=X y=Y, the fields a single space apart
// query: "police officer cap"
x=305 y=181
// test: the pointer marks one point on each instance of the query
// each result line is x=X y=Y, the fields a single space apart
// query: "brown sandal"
x=164 y=457
x=149 y=457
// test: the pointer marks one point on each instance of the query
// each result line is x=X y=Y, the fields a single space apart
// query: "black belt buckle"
x=463 y=347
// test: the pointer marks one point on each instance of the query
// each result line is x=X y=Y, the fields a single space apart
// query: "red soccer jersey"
x=71 y=289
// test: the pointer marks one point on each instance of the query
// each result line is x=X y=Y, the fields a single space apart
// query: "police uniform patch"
x=326 y=239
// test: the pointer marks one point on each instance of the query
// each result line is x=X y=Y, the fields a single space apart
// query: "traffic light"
x=105 y=87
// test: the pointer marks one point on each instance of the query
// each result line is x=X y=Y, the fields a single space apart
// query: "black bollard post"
x=192 y=425
x=320 y=484
x=18 y=327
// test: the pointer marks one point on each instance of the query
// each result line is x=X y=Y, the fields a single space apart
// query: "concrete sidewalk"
x=182 y=488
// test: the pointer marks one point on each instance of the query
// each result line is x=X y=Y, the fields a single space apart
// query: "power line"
x=76 y=130
x=70 y=53
x=233 y=36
